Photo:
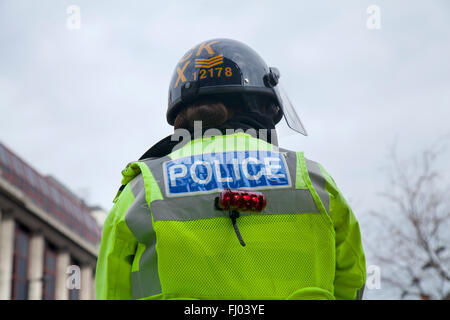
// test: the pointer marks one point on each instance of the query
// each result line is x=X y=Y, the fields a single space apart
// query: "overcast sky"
x=80 y=104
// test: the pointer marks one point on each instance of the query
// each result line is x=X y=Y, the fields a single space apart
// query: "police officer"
x=217 y=210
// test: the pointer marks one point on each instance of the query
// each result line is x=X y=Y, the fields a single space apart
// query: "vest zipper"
x=234 y=215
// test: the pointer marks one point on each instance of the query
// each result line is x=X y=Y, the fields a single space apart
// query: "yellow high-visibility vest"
x=164 y=238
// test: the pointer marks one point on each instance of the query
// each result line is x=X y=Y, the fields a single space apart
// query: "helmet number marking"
x=213 y=72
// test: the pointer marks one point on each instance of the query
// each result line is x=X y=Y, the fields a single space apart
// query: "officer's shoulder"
x=130 y=178
x=131 y=170
x=133 y=173
x=311 y=163
x=315 y=167
x=301 y=154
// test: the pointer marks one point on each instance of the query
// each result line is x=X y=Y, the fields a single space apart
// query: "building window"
x=74 y=294
x=48 y=290
x=20 y=266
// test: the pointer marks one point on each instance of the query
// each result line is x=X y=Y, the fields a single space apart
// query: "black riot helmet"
x=225 y=66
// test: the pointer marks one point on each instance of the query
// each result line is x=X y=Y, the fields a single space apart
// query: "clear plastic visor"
x=289 y=112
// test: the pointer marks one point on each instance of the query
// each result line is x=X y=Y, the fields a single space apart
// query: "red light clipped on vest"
x=241 y=201
x=258 y=203
x=224 y=200
x=235 y=200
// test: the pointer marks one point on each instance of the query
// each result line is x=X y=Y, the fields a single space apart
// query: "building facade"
x=48 y=237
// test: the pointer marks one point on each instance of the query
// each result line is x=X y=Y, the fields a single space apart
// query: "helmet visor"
x=290 y=114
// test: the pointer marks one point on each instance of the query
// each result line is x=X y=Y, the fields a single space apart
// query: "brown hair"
x=212 y=113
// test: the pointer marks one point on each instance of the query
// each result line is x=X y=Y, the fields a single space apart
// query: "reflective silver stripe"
x=279 y=201
x=145 y=282
x=319 y=182
x=282 y=201
x=291 y=160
